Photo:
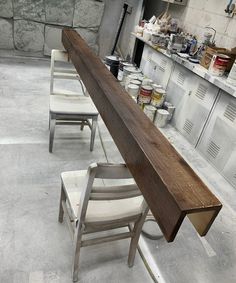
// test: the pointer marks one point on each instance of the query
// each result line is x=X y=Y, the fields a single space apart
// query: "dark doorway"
x=151 y=7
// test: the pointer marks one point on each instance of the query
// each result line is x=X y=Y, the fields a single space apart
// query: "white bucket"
x=232 y=75
x=161 y=118
x=219 y=63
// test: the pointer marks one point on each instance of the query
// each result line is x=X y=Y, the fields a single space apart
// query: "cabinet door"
x=196 y=109
x=229 y=170
x=146 y=60
x=194 y=98
x=162 y=69
x=156 y=66
x=218 y=143
x=178 y=90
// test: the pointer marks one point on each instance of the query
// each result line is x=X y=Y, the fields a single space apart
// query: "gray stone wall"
x=36 y=25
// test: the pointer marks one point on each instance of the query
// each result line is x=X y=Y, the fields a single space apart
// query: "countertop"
x=202 y=72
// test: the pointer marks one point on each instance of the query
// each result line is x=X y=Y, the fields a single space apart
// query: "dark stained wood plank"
x=170 y=187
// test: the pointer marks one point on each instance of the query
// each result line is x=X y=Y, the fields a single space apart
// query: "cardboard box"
x=210 y=51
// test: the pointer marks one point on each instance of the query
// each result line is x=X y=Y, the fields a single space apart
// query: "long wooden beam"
x=170 y=187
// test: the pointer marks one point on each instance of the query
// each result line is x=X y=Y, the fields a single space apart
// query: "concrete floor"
x=190 y=258
x=35 y=248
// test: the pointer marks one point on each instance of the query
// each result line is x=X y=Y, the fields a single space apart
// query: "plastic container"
x=219 y=63
x=232 y=75
x=145 y=94
x=158 y=97
x=161 y=119
x=150 y=111
x=133 y=90
x=113 y=62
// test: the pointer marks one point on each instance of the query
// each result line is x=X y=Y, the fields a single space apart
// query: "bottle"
x=232 y=75
x=193 y=45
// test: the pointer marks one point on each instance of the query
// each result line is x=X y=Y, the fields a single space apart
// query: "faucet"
x=213 y=39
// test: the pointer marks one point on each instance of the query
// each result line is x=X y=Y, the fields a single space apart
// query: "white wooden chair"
x=101 y=199
x=68 y=107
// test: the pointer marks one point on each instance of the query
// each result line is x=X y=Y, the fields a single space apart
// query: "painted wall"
x=197 y=15
x=109 y=26
x=35 y=25
x=126 y=42
x=201 y=13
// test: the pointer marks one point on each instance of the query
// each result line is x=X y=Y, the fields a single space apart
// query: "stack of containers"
x=151 y=99
x=149 y=96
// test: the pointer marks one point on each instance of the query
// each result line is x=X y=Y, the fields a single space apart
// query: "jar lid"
x=126 y=64
x=160 y=90
x=150 y=108
x=156 y=86
x=133 y=76
x=147 y=87
x=135 y=82
x=113 y=58
x=148 y=80
x=133 y=86
x=163 y=112
x=132 y=70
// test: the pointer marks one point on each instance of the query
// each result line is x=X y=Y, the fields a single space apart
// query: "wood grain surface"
x=171 y=188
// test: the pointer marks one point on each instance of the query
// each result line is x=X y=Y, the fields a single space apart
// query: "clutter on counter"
x=144 y=91
x=148 y=95
x=164 y=32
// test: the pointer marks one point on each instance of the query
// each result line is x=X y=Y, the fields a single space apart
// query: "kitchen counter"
x=220 y=82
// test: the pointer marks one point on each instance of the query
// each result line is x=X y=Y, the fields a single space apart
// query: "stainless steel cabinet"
x=194 y=98
x=204 y=114
x=146 y=60
x=162 y=69
x=156 y=66
x=218 y=142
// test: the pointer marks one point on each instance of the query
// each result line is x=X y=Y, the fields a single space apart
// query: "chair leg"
x=49 y=120
x=77 y=245
x=82 y=126
x=61 y=211
x=134 y=240
x=93 y=132
x=52 y=131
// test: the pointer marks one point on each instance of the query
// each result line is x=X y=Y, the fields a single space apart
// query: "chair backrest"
x=59 y=72
x=112 y=172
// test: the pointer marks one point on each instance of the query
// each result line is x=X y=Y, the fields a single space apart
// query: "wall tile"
x=60 y=11
x=199 y=4
x=6 y=9
x=193 y=16
x=216 y=21
x=89 y=36
x=228 y=42
x=52 y=39
x=231 y=28
x=28 y=36
x=6 y=34
x=29 y=9
x=88 y=13
x=216 y=7
x=199 y=14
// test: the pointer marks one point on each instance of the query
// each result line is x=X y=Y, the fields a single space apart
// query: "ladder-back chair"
x=100 y=199
x=68 y=107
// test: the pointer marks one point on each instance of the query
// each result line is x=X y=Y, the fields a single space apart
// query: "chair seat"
x=61 y=75
x=72 y=104
x=99 y=211
x=66 y=92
